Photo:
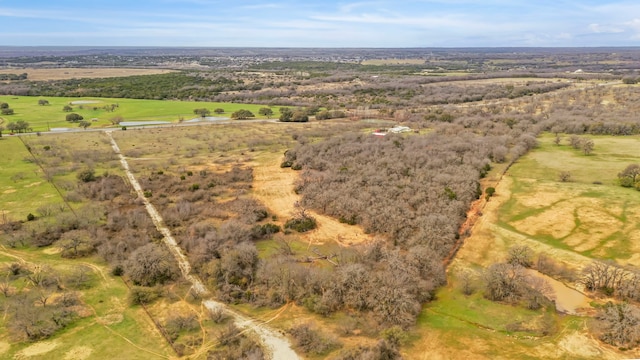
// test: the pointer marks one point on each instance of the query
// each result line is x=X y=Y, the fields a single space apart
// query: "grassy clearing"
x=591 y=214
x=571 y=222
x=22 y=186
x=43 y=118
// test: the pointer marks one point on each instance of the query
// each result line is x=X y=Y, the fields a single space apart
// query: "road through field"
x=274 y=344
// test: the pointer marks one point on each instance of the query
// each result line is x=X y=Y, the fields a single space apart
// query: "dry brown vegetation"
x=40 y=74
x=391 y=213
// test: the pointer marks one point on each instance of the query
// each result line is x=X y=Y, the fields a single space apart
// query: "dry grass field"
x=80 y=73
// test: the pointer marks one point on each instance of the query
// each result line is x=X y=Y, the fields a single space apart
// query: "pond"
x=568 y=300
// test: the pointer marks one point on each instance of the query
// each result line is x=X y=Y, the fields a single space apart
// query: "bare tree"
x=587 y=146
x=151 y=264
x=504 y=282
x=620 y=324
x=564 y=176
x=520 y=255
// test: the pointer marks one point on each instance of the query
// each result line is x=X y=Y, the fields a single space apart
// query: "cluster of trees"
x=177 y=85
x=579 y=143
x=73 y=117
x=13 y=77
x=265 y=111
x=242 y=114
x=5 y=109
x=630 y=176
x=330 y=114
x=202 y=112
x=397 y=186
x=289 y=115
x=19 y=126
x=39 y=301
x=612 y=280
x=617 y=323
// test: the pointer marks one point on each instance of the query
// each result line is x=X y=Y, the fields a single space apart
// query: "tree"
x=265 y=111
x=87 y=175
x=242 y=114
x=151 y=264
x=630 y=175
x=620 y=324
x=564 y=176
x=4 y=105
x=18 y=126
x=84 y=124
x=75 y=243
x=67 y=108
x=286 y=114
x=574 y=141
x=73 y=117
x=520 y=255
x=43 y=102
x=300 y=116
x=7 y=111
x=116 y=120
x=203 y=112
x=504 y=282
x=587 y=146
x=219 y=111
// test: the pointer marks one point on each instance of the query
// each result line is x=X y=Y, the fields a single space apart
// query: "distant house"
x=399 y=129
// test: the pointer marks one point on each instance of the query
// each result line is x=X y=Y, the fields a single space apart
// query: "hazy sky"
x=315 y=23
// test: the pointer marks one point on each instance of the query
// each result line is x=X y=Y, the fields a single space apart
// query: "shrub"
x=87 y=175
x=260 y=231
x=141 y=295
x=73 y=117
x=301 y=224
x=242 y=114
x=117 y=270
x=311 y=340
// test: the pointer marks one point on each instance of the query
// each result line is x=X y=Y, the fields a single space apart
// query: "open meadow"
x=589 y=216
x=100 y=111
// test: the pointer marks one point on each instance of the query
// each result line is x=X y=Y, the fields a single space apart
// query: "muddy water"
x=568 y=300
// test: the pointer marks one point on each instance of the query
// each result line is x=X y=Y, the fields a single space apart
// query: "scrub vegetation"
x=387 y=211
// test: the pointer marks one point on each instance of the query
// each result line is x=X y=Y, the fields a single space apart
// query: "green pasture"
x=42 y=118
x=22 y=185
x=591 y=214
x=460 y=326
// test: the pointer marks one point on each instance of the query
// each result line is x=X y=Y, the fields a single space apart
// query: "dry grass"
x=273 y=186
x=81 y=73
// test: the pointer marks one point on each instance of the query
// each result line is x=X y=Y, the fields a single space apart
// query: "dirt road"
x=274 y=343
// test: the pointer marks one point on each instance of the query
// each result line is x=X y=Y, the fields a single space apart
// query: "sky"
x=315 y=23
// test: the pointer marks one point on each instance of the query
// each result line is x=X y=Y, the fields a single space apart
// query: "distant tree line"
x=177 y=85
x=13 y=77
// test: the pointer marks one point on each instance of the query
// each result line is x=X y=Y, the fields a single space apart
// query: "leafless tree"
x=620 y=325
x=520 y=255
